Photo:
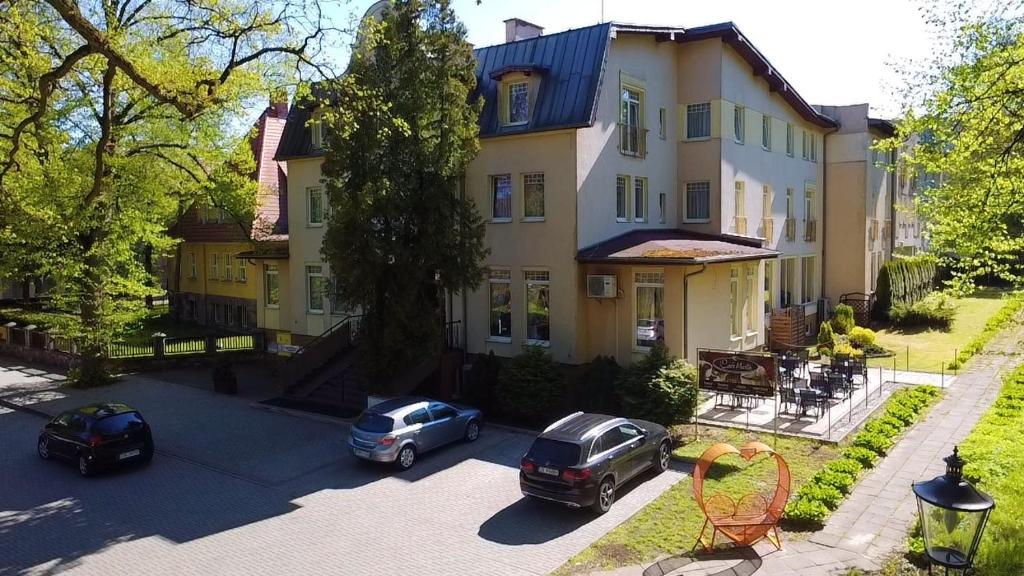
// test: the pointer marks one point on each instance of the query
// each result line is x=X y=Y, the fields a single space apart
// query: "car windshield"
x=554 y=451
x=373 y=422
x=117 y=424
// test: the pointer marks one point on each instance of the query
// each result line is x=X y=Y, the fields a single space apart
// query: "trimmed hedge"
x=826 y=489
x=903 y=281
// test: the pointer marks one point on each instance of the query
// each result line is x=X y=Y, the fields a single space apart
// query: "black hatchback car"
x=581 y=459
x=97 y=436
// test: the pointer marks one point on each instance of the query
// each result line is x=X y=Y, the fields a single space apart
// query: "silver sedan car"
x=400 y=429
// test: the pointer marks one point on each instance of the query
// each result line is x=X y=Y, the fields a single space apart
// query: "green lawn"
x=673 y=521
x=930 y=350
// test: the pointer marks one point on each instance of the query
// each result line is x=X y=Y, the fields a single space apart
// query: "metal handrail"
x=344 y=322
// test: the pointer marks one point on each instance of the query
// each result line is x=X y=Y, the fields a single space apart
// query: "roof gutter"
x=686 y=307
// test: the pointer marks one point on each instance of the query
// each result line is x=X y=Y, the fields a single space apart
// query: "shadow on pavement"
x=739 y=562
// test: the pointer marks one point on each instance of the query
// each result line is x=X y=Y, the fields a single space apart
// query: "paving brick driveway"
x=235 y=490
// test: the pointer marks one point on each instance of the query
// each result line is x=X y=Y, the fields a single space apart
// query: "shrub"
x=806 y=510
x=874 y=441
x=862 y=337
x=828 y=495
x=483 y=379
x=842 y=320
x=838 y=480
x=902 y=281
x=844 y=349
x=935 y=311
x=847 y=466
x=826 y=337
x=595 y=388
x=667 y=398
x=530 y=386
x=883 y=427
x=863 y=456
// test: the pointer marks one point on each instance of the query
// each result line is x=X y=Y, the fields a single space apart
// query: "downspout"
x=465 y=305
x=892 y=204
x=824 y=207
x=686 y=307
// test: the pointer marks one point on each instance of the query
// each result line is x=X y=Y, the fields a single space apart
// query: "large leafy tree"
x=401 y=133
x=113 y=115
x=965 y=122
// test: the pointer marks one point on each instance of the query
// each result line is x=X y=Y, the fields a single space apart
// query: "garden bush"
x=530 y=386
x=828 y=495
x=877 y=443
x=861 y=337
x=843 y=348
x=842 y=319
x=659 y=388
x=838 y=480
x=595 y=387
x=902 y=281
x=866 y=458
x=935 y=311
x=483 y=378
x=804 y=510
x=826 y=337
x=847 y=466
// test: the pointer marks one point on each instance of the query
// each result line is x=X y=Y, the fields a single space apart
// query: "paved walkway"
x=874 y=520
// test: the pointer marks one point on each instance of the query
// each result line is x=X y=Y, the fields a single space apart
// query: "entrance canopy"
x=674 y=246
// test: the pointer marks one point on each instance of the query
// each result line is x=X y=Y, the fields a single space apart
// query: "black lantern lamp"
x=953 y=516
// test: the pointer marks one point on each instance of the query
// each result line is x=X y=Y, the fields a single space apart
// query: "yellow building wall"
x=230 y=285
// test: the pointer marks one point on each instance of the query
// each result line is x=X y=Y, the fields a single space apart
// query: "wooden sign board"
x=742 y=373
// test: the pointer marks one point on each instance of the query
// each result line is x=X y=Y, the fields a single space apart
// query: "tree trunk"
x=93 y=369
x=148 y=263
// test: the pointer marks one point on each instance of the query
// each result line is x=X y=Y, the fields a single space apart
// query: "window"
x=190 y=309
x=698 y=120
x=218 y=313
x=631 y=134
x=661 y=207
x=533 y=196
x=420 y=416
x=807 y=280
x=191 y=264
x=698 y=201
x=787 y=282
x=202 y=214
x=229 y=315
x=228 y=264
x=814 y=147
x=501 y=198
x=769 y=288
x=805 y=146
x=271 y=287
x=621 y=198
x=748 y=299
x=790 y=139
x=316 y=133
x=315 y=206
x=243 y=316
x=808 y=201
x=735 y=317
x=766 y=132
x=538 y=325
x=501 y=305
x=519 y=103
x=214 y=266
x=739 y=114
x=316 y=289
x=650 y=317
x=441 y=411
x=740 y=207
x=242 y=274
x=662 y=123
x=790 y=209
x=639 y=199
x=874 y=269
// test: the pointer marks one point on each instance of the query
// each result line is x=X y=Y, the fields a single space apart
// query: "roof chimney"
x=518 y=29
x=278 y=104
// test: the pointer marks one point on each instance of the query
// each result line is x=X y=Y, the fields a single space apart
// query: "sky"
x=832 y=52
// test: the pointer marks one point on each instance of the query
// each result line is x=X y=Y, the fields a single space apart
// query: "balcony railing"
x=810 y=230
x=768 y=228
x=632 y=140
x=791 y=229
x=740 y=224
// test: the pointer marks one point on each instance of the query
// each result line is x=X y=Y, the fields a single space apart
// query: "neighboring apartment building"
x=213 y=280
x=860 y=203
x=908 y=230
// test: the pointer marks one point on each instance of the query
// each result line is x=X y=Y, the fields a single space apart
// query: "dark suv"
x=581 y=459
x=97 y=436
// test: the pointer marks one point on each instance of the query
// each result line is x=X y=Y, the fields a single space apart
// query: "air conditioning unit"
x=601 y=286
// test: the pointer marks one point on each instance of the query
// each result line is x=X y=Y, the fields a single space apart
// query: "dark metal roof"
x=672 y=246
x=296 y=140
x=567 y=98
x=732 y=36
x=882 y=125
x=575 y=428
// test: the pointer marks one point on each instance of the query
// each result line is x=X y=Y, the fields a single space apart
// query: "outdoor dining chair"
x=809 y=399
x=788 y=397
x=836 y=382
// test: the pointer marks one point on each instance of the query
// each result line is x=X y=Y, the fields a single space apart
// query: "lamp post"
x=953 y=515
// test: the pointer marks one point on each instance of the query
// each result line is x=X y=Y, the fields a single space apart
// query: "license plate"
x=362 y=453
x=128 y=454
x=548 y=471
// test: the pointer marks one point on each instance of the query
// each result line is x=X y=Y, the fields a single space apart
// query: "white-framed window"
x=315 y=206
x=790 y=207
x=698 y=201
x=787 y=282
x=766 y=132
x=214 y=266
x=749 y=298
x=228 y=264
x=698 y=120
x=229 y=315
x=271 y=286
x=501 y=198
x=639 y=199
x=243 y=275
x=218 y=313
x=735 y=302
x=809 y=201
x=790 y=139
x=621 y=198
x=662 y=123
x=500 y=292
x=769 y=287
x=243 y=316
x=805 y=145
x=739 y=123
x=316 y=288
x=740 y=207
x=649 y=288
x=533 y=196
x=316 y=133
x=766 y=202
x=661 y=207
x=807 y=280
x=518 y=103
x=631 y=118
x=814 y=147
x=538 y=307
x=192 y=272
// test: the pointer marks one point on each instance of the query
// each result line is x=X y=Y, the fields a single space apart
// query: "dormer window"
x=519 y=102
x=316 y=133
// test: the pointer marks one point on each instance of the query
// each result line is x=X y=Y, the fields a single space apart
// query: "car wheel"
x=605 y=496
x=84 y=467
x=147 y=454
x=472 y=431
x=664 y=456
x=43 y=448
x=406 y=457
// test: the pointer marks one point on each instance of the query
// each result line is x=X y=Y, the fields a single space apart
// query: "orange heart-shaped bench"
x=753 y=516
